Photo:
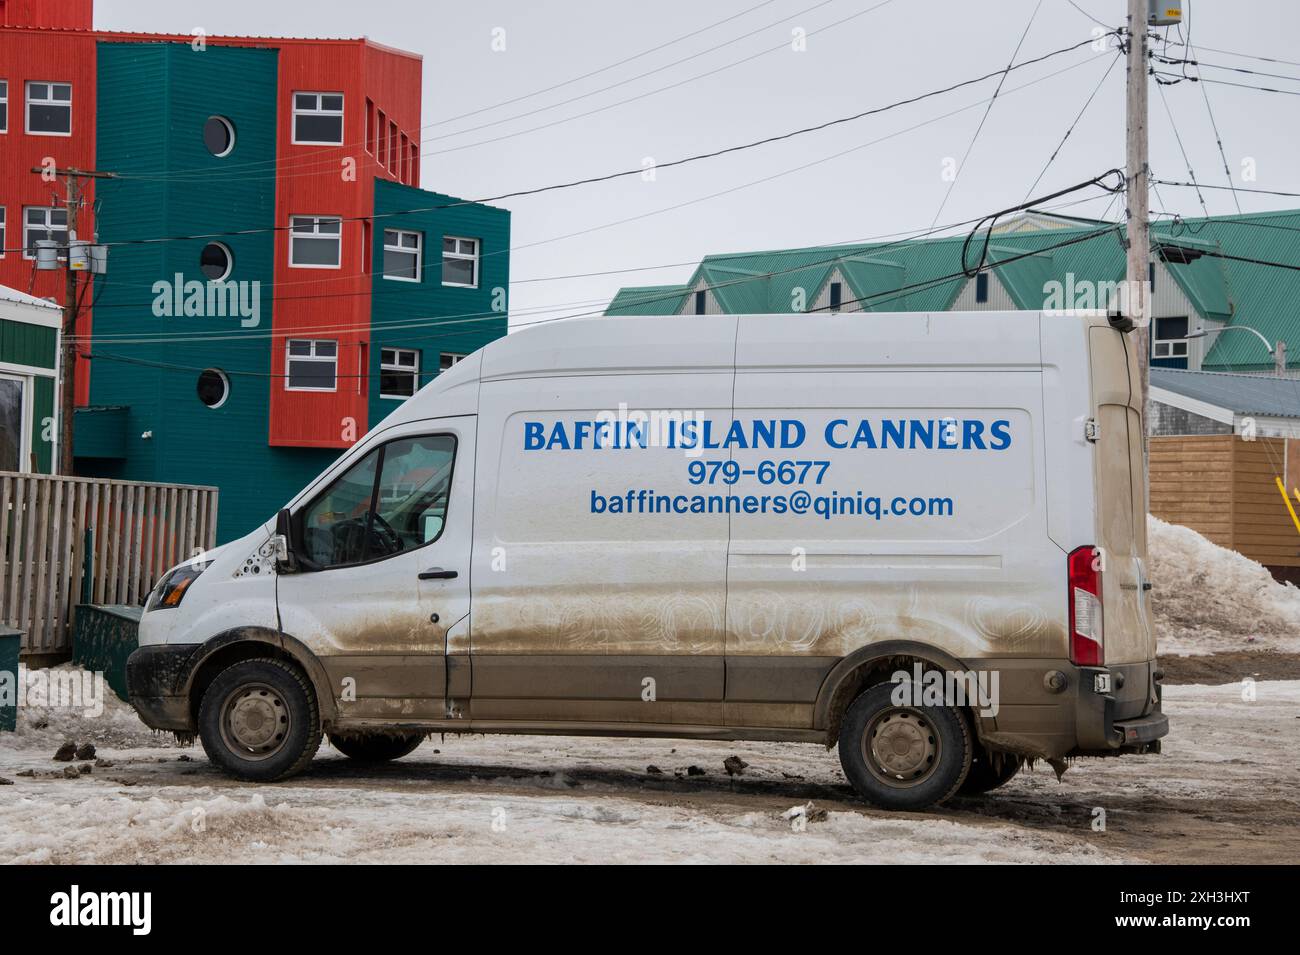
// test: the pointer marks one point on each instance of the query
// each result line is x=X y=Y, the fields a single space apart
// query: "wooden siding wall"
x=137 y=531
x=1224 y=488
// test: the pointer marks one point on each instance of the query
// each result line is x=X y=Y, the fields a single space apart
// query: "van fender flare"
x=841 y=684
x=288 y=646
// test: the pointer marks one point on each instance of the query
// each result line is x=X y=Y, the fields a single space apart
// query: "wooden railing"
x=69 y=540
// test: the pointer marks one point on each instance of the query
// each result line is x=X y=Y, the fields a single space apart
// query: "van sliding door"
x=599 y=586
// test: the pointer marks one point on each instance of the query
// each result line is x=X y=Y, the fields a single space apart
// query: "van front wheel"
x=903 y=757
x=258 y=720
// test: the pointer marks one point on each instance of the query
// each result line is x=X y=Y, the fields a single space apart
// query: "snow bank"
x=48 y=727
x=1209 y=599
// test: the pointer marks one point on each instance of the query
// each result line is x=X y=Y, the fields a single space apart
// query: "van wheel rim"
x=901 y=747
x=255 y=721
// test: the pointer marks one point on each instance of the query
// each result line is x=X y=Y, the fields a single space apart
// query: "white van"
x=919 y=535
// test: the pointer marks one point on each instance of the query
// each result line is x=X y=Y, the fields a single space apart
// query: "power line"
x=425 y=154
x=1089 y=15
x=1218 y=138
x=592 y=180
x=1194 y=185
x=760 y=276
x=1248 y=56
x=1084 y=109
x=1191 y=174
x=703 y=198
x=530 y=95
x=1244 y=86
x=988 y=109
x=901 y=238
x=660 y=211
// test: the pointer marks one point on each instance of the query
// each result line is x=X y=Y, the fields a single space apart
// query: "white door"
x=13 y=423
x=385 y=574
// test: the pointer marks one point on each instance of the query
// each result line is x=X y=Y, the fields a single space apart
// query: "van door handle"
x=437 y=573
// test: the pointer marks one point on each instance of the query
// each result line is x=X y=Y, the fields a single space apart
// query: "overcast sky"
x=762 y=198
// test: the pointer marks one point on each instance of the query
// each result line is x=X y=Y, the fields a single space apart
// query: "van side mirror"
x=285 y=561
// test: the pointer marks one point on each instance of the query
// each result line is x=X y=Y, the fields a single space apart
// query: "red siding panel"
x=64 y=14
x=62 y=57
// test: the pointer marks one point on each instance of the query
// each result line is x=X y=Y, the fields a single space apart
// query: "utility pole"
x=1136 y=178
x=73 y=183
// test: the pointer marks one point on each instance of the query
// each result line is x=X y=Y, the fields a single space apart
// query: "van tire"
x=988 y=774
x=376 y=748
x=259 y=721
x=936 y=754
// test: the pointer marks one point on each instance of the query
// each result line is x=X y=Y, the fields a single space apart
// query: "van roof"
x=887 y=342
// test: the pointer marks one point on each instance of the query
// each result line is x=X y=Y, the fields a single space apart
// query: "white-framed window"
x=447 y=359
x=315 y=242
x=459 y=261
x=399 y=372
x=4 y=106
x=311 y=364
x=3 y=232
x=49 y=108
x=1169 y=338
x=42 y=222
x=317 y=119
x=403 y=255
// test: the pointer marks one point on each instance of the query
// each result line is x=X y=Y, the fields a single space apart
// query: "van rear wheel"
x=903 y=757
x=258 y=720
x=989 y=772
x=375 y=748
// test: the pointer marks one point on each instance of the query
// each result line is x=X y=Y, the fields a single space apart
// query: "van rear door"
x=1120 y=483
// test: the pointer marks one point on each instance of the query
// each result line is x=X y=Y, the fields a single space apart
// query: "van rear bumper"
x=1052 y=709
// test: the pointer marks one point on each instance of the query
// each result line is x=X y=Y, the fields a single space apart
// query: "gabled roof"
x=917 y=277
x=1263 y=395
x=648 y=300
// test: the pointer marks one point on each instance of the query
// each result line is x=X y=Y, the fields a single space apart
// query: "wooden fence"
x=1226 y=488
x=69 y=540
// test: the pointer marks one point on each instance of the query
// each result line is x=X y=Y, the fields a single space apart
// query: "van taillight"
x=1086 y=644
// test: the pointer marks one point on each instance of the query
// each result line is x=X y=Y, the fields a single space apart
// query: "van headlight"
x=172 y=587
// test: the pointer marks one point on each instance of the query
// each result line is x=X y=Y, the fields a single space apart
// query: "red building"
x=345 y=115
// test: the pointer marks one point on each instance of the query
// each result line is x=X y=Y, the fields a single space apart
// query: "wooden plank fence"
x=69 y=540
x=1225 y=488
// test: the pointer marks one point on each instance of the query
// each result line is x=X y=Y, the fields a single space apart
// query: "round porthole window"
x=213 y=387
x=219 y=136
x=216 y=261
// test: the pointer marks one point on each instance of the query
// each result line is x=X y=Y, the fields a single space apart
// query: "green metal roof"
x=648 y=300
x=1261 y=296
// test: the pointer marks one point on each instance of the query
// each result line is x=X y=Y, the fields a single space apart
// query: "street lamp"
x=1278 y=353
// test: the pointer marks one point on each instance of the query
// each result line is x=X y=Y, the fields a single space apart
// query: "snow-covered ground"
x=1227 y=788
x=1209 y=599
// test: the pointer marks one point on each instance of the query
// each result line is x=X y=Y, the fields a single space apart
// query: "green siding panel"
x=154 y=99
x=24 y=344
x=437 y=318
x=44 y=430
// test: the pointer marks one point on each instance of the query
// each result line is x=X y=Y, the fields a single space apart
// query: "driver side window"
x=393 y=499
